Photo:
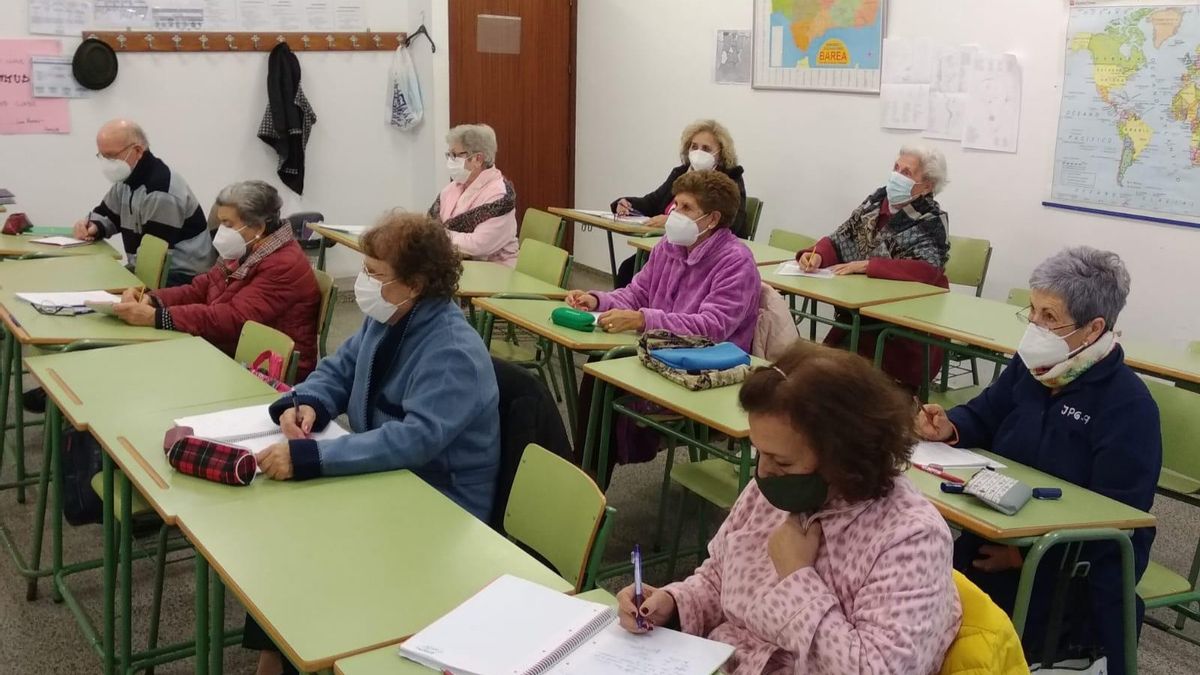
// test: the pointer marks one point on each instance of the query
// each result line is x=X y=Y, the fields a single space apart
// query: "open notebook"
x=946 y=456
x=516 y=627
x=792 y=268
x=250 y=427
x=64 y=242
x=69 y=299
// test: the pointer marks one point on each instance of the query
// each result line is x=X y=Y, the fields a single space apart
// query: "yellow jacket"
x=987 y=643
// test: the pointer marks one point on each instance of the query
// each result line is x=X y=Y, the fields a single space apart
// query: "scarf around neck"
x=467 y=221
x=1062 y=374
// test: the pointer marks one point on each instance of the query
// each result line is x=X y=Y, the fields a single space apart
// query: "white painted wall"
x=645 y=71
x=201 y=112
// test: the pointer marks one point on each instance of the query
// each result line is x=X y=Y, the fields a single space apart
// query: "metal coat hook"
x=418 y=32
x=231 y=43
x=178 y=42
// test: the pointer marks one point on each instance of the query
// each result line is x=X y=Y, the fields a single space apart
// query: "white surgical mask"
x=701 y=160
x=368 y=293
x=899 y=189
x=457 y=166
x=1042 y=348
x=229 y=243
x=681 y=230
x=115 y=170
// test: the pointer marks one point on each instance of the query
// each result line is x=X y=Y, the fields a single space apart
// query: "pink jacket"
x=879 y=599
x=494 y=239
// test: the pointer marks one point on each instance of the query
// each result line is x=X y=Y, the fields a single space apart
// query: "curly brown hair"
x=713 y=190
x=858 y=421
x=417 y=249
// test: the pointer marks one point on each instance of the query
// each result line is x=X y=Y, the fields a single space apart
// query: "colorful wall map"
x=819 y=44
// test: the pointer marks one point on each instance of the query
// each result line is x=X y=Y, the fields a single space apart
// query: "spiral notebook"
x=250 y=428
x=516 y=627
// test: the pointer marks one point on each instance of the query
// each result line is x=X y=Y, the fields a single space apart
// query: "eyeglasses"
x=100 y=155
x=456 y=155
x=61 y=310
x=1025 y=314
x=375 y=276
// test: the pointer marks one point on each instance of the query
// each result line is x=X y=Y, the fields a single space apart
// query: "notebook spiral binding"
x=589 y=631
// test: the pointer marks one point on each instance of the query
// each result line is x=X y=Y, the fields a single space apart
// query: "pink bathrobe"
x=495 y=239
x=879 y=599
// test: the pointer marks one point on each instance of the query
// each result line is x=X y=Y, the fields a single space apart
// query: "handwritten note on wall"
x=20 y=112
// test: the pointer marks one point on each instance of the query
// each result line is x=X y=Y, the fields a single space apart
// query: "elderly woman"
x=704 y=146
x=831 y=561
x=416 y=383
x=263 y=276
x=899 y=232
x=1070 y=406
x=479 y=205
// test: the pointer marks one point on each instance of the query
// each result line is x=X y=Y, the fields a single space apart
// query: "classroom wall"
x=645 y=71
x=202 y=111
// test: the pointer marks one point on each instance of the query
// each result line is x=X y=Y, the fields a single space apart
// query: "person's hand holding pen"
x=932 y=424
x=624 y=208
x=656 y=610
x=136 y=295
x=86 y=230
x=297 y=421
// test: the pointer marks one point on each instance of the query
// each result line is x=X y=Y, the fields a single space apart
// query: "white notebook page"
x=616 y=651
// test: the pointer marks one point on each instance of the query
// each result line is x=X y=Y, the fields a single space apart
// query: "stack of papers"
x=947 y=457
x=631 y=220
x=72 y=299
x=792 y=268
x=250 y=428
x=64 y=242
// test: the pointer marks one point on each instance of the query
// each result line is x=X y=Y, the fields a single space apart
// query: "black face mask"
x=794 y=492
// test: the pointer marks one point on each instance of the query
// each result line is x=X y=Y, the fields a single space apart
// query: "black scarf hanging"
x=289 y=118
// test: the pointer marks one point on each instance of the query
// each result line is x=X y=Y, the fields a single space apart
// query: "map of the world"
x=818 y=44
x=1129 y=127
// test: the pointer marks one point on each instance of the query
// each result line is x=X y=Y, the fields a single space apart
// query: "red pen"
x=937 y=471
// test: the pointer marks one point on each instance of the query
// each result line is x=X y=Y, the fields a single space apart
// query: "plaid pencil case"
x=210 y=460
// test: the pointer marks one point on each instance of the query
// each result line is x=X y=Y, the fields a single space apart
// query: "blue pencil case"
x=722 y=356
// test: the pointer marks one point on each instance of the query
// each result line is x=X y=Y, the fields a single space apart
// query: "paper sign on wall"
x=20 y=112
x=59 y=17
x=52 y=78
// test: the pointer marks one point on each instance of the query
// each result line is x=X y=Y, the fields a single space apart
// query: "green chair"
x=1018 y=297
x=552 y=265
x=257 y=338
x=556 y=510
x=325 y=314
x=1179 y=413
x=754 y=207
x=153 y=260
x=967 y=266
x=542 y=226
x=948 y=398
x=794 y=241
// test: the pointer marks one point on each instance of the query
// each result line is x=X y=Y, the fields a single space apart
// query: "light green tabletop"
x=482 y=279
x=629 y=229
x=1078 y=508
x=33 y=328
x=715 y=408
x=87 y=273
x=387 y=660
x=1172 y=362
x=853 y=291
x=95 y=384
x=343 y=565
x=350 y=241
x=763 y=253
x=17 y=245
x=979 y=322
x=534 y=316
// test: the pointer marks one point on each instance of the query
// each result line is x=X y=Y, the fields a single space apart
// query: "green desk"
x=534 y=316
x=343 y=565
x=481 y=279
x=609 y=226
x=764 y=254
x=85 y=273
x=852 y=293
x=387 y=660
x=328 y=234
x=22 y=246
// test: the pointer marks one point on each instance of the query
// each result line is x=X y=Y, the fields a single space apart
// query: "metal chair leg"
x=160 y=571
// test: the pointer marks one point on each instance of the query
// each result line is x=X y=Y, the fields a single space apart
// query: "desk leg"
x=202 y=636
x=570 y=391
x=855 y=330
x=216 y=626
x=53 y=427
x=108 y=644
x=593 y=421
x=612 y=256
x=606 y=408
x=639 y=260
x=321 y=255
x=126 y=565
x=5 y=388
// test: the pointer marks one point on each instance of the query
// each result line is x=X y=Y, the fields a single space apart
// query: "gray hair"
x=475 y=139
x=933 y=164
x=256 y=202
x=1092 y=283
x=137 y=135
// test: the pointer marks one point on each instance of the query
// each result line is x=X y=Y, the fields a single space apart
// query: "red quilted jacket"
x=280 y=291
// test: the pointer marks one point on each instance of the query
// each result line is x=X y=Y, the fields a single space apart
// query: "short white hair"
x=933 y=164
x=475 y=139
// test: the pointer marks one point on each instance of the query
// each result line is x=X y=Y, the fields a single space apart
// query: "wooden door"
x=512 y=65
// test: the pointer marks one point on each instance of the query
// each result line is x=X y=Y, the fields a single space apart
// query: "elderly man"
x=147 y=197
x=479 y=206
x=899 y=232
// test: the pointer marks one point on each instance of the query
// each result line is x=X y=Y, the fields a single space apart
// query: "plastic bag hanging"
x=405 y=109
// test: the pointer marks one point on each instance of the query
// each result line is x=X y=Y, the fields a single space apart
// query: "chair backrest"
x=1018 y=297
x=542 y=226
x=754 y=207
x=791 y=241
x=556 y=510
x=542 y=261
x=152 y=258
x=986 y=641
x=968 y=263
x=325 y=314
x=257 y=338
x=1179 y=420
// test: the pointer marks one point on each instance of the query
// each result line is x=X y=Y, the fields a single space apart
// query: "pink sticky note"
x=20 y=112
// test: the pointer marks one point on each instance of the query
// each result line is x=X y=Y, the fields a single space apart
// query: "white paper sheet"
x=59 y=17
x=349 y=15
x=71 y=299
x=122 y=14
x=254 y=14
x=51 y=77
x=993 y=111
x=908 y=61
x=952 y=68
x=178 y=14
x=286 y=15
x=220 y=14
x=947 y=113
x=616 y=651
x=319 y=14
x=792 y=268
x=928 y=452
x=65 y=242
x=904 y=106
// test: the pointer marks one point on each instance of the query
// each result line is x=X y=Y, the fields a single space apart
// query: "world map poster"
x=1129 y=125
x=831 y=45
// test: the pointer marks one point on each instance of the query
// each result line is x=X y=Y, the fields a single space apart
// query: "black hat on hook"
x=94 y=64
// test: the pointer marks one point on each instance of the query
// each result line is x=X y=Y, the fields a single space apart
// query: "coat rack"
x=260 y=41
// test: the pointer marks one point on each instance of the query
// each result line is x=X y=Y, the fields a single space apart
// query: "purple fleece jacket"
x=711 y=290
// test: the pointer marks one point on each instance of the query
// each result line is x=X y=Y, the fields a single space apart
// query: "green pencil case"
x=575 y=319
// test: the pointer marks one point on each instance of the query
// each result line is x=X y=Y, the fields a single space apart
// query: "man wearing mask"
x=147 y=197
x=899 y=232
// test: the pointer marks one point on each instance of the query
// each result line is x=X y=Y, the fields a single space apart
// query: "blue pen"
x=638 y=596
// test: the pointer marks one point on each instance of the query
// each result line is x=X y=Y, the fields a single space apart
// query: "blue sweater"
x=434 y=409
x=1100 y=432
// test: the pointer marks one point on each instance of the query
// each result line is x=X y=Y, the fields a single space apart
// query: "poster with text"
x=20 y=112
x=818 y=44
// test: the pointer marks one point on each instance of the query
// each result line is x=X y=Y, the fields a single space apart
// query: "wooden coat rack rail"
x=258 y=41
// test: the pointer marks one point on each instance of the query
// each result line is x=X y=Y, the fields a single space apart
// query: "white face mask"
x=457 y=166
x=681 y=230
x=115 y=170
x=701 y=160
x=368 y=293
x=229 y=243
x=1042 y=348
